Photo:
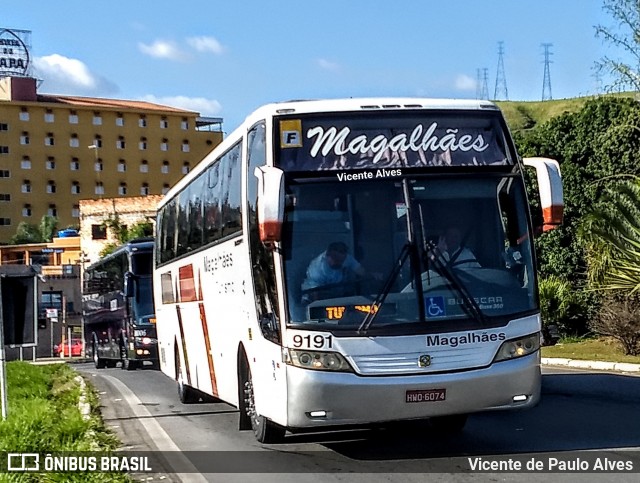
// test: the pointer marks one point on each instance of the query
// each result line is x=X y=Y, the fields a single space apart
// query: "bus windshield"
x=421 y=253
x=142 y=303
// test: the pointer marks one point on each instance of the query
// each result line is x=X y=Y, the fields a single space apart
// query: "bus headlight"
x=515 y=348
x=320 y=361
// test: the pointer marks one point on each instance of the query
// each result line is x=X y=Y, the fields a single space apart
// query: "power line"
x=546 y=83
x=500 y=91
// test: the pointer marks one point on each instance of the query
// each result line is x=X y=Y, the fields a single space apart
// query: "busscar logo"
x=23 y=462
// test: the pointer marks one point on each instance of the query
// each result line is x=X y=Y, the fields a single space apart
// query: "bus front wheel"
x=98 y=361
x=264 y=430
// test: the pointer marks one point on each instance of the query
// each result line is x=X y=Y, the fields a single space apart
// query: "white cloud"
x=162 y=49
x=206 y=44
x=62 y=75
x=327 y=65
x=206 y=107
x=465 y=83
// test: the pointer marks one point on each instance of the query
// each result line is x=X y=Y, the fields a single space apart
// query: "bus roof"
x=138 y=244
x=362 y=104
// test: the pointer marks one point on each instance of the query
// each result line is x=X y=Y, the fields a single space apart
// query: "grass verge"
x=597 y=349
x=44 y=417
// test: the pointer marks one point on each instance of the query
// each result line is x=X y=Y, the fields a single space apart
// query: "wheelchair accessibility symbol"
x=434 y=306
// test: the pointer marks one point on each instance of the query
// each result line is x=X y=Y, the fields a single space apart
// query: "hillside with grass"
x=527 y=114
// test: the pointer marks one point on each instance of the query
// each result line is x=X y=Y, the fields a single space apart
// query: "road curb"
x=597 y=365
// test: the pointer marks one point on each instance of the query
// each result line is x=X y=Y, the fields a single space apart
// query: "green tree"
x=29 y=233
x=124 y=233
x=625 y=35
x=611 y=233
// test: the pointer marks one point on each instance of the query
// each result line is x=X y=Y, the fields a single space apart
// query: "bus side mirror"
x=129 y=287
x=270 y=203
x=550 y=189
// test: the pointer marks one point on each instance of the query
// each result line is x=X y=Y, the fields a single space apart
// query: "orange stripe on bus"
x=187 y=284
x=207 y=344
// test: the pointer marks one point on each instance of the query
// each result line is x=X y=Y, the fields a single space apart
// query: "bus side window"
x=211 y=202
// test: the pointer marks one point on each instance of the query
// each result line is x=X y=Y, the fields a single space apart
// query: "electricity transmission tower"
x=500 y=92
x=546 y=83
x=482 y=83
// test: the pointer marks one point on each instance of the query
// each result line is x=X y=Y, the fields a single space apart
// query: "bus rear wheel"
x=127 y=364
x=186 y=393
x=264 y=430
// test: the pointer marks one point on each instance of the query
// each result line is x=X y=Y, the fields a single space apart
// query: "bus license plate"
x=425 y=395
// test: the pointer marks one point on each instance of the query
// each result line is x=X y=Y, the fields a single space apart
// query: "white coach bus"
x=344 y=262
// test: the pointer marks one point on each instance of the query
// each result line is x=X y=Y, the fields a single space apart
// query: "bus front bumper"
x=321 y=399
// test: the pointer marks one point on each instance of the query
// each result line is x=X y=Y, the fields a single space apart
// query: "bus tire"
x=452 y=424
x=127 y=364
x=186 y=394
x=98 y=361
x=264 y=430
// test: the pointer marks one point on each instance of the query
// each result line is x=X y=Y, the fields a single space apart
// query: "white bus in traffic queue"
x=352 y=262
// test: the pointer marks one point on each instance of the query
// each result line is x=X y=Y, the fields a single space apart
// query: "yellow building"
x=57 y=150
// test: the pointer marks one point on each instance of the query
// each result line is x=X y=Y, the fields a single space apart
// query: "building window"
x=49 y=140
x=5 y=173
x=51 y=187
x=164 y=169
x=5 y=221
x=144 y=189
x=165 y=188
x=98 y=166
x=4 y=126
x=97 y=142
x=120 y=142
x=164 y=146
x=74 y=142
x=186 y=167
x=75 y=188
x=24 y=114
x=5 y=197
x=142 y=122
x=73 y=117
x=24 y=138
x=4 y=149
x=122 y=189
x=26 y=186
x=26 y=211
x=164 y=124
x=48 y=116
x=50 y=163
x=144 y=166
x=52 y=210
x=119 y=120
x=74 y=165
x=122 y=166
x=25 y=163
x=99 y=188
x=75 y=211
x=97 y=119
x=184 y=125
x=143 y=144
x=185 y=146
x=98 y=232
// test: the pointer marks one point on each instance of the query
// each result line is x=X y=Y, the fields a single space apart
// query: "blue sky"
x=226 y=58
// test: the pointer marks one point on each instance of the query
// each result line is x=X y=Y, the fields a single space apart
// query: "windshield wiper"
x=379 y=300
x=469 y=304
x=410 y=248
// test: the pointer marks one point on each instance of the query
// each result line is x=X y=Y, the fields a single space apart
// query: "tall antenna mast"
x=500 y=92
x=485 y=84
x=546 y=83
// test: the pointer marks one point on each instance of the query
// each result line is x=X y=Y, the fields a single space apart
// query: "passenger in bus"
x=452 y=250
x=332 y=267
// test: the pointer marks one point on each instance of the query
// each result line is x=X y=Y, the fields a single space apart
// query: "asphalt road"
x=582 y=416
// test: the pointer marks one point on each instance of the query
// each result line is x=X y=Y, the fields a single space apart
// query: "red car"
x=76 y=348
